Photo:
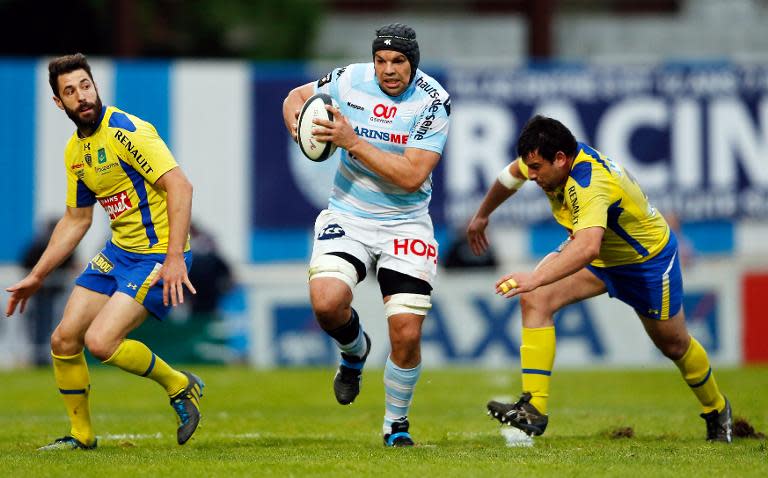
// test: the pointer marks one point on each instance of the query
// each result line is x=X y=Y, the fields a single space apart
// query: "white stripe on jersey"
x=417 y=118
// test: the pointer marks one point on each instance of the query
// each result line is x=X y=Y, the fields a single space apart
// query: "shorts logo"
x=331 y=231
x=416 y=247
x=101 y=263
x=116 y=205
x=133 y=286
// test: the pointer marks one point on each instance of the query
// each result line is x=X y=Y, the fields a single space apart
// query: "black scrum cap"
x=398 y=37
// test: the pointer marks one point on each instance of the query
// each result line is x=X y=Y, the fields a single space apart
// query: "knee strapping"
x=418 y=304
x=328 y=265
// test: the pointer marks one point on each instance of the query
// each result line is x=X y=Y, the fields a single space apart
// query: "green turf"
x=286 y=423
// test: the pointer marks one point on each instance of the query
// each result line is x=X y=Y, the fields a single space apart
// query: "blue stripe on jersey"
x=614 y=211
x=142 y=87
x=378 y=198
x=141 y=190
x=591 y=152
x=85 y=197
x=336 y=205
x=17 y=154
x=356 y=167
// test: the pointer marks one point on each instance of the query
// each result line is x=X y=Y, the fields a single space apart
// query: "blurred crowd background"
x=677 y=90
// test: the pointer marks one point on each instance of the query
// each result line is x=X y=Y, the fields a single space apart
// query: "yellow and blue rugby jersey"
x=599 y=192
x=118 y=166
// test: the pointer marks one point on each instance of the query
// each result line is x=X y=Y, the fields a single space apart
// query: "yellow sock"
x=72 y=378
x=136 y=358
x=537 y=356
x=697 y=372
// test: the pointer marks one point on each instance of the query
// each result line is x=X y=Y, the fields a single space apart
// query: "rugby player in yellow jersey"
x=618 y=243
x=118 y=160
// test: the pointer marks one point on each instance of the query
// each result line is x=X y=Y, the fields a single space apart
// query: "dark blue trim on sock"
x=151 y=366
x=78 y=391
x=537 y=371
x=354 y=365
x=696 y=385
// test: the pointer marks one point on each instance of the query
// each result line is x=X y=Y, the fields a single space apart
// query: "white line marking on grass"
x=515 y=437
x=130 y=436
x=158 y=436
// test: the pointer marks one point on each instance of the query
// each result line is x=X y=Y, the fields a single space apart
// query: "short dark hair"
x=548 y=136
x=66 y=64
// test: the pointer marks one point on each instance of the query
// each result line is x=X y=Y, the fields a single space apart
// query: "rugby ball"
x=314 y=108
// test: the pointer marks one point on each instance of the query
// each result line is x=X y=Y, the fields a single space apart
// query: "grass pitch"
x=287 y=423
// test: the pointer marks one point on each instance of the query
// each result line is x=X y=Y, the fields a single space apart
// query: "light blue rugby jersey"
x=418 y=118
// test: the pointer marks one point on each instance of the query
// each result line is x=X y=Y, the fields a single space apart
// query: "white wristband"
x=508 y=181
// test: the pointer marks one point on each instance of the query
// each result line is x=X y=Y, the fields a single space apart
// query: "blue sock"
x=398 y=386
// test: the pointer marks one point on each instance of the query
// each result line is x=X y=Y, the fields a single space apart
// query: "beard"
x=88 y=124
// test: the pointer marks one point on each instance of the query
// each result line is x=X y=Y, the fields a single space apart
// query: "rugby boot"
x=68 y=443
x=399 y=437
x=521 y=415
x=346 y=383
x=719 y=424
x=186 y=404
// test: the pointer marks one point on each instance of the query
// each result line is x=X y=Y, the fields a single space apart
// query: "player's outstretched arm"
x=507 y=184
x=292 y=106
x=67 y=234
x=179 y=203
x=580 y=251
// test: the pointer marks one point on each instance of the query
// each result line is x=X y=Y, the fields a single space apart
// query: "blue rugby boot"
x=186 y=404
x=399 y=437
x=346 y=383
x=68 y=443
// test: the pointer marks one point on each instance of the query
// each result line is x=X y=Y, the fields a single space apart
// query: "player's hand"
x=516 y=283
x=295 y=126
x=20 y=293
x=478 y=241
x=338 y=131
x=173 y=273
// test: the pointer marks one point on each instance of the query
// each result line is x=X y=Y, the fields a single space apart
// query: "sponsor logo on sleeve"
x=428 y=120
x=325 y=80
x=116 y=205
x=101 y=263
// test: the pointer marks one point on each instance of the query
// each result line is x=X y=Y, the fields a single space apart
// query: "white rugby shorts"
x=406 y=245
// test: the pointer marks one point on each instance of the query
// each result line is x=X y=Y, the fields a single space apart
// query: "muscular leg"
x=537 y=348
x=69 y=367
x=672 y=339
x=403 y=366
x=106 y=340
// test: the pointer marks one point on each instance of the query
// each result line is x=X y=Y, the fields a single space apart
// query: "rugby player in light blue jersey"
x=391 y=125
